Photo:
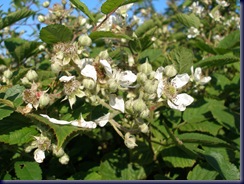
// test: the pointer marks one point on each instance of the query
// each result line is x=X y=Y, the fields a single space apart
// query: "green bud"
x=45 y=4
x=41 y=18
x=144 y=128
x=104 y=54
x=145 y=68
x=85 y=40
x=64 y=159
x=58 y=152
x=150 y=86
x=170 y=71
x=31 y=75
x=112 y=85
x=129 y=105
x=144 y=114
x=139 y=106
x=56 y=67
x=44 y=100
x=89 y=83
x=141 y=78
x=7 y=74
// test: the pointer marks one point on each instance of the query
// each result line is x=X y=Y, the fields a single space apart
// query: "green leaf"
x=151 y=54
x=146 y=26
x=81 y=6
x=5 y=111
x=56 y=33
x=203 y=46
x=108 y=34
x=202 y=172
x=175 y=157
x=14 y=93
x=230 y=41
x=111 y=5
x=217 y=60
x=188 y=20
x=62 y=132
x=28 y=170
x=225 y=168
x=181 y=58
x=26 y=50
x=15 y=16
x=20 y=136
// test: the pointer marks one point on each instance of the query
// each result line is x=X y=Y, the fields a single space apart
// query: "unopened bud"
x=144 y=128
x=39 y=155
x=139 y=105
x=31 y=75
x=85 y=40
x=41 y=47
x=89 y=83
x=170 y=71
x=129 y=105
x=56 y=67
x=44 y=100
x=144 y=114
x=141 y=77
x=104 y=54
x=45 y=4
x=150 y=86
x=81 y=21
x=7 y=74
x=145 y=68
x=64 y=159
x=64 y=2
x=41 y=18
x=58 y=152
x=130 y=140
x=112 y=85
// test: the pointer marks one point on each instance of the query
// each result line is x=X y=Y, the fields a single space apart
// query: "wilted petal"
x=102 y=121
x=89 y=71
x=55 y=121
x=66 y=78
x=127 y=78
x=117 y=103
x=39 y=155
x=180 y=80
x=106 y=66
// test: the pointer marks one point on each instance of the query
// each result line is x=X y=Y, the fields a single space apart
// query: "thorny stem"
x=115 y=124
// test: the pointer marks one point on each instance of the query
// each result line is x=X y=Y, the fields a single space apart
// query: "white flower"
x=123 y=10
x=198 y=77
x=39 y=155
x=117 y=102
x=222 y=3
x=55 y=121
x=107 y=25
x=127 y=78
x=89 y=71
x=215 y=15
x=180 y=101
x=180 y=80
x=195 y=8
x=192 y=32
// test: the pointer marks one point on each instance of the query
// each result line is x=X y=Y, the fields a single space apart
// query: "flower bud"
x=31 y=75
x=56 y=67
x=64 y=2
x=144 y=128
x=85 y=40
x=130 y=140
x=45 y=4
x=44 y=100
x=89 y=83
x=129 y=105
x=7 y=74
x=39 y=155
x=81 y=21
x=150 y=86
x=41 y=47
x=141 y=77
x=145 y=68
x=41 y=18
x=64 y=159
x=139 y=106
x=58 y=152
x=112 y=85
x=144 y=114
x=104 y=54
x=170 y=71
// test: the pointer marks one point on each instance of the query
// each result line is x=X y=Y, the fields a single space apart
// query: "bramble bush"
x=124 y=93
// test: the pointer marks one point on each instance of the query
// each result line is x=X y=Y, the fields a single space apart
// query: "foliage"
x=110 y=96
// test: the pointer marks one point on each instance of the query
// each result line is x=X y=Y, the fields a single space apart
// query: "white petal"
x=117 y=103
x=72 y=100
x=66 y=78
x=197 y=74
x=55 y=121
x=205 y=80
x=160 y=88
x=176 y=107
x=106 y=66
x=83 y=62
x=84 y=124
x=39 y=155
x=159 y=73
x=102 y=121
x=127 y=78
x=183 y=99
x=180 y=80
x=89 y=71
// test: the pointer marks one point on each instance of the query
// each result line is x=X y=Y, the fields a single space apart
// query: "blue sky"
x=93 y=5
